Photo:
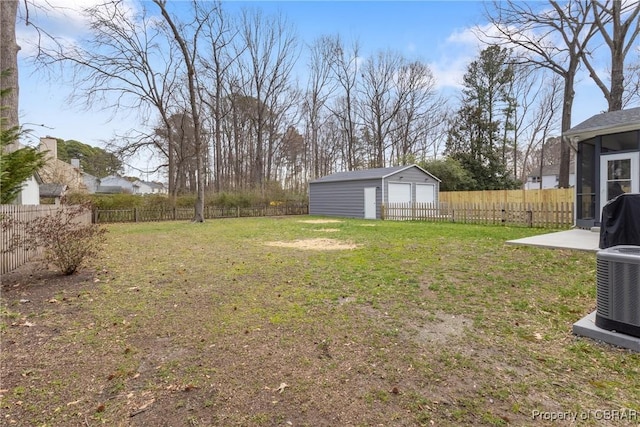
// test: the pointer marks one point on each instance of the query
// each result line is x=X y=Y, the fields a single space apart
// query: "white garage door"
x=425 y=193
x=399 y=193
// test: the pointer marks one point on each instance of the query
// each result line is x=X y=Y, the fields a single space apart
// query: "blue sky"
x=435 y=32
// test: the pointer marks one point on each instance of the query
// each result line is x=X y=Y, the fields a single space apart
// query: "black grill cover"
x=621 y=221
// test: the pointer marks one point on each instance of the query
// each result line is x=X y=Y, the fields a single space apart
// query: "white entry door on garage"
x=425 y=193
x=370 y=203
x=399 y=192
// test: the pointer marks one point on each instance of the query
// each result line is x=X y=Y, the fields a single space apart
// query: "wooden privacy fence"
x=545 y=215
x=10 y=230
x=546 y=196
x=101 y=216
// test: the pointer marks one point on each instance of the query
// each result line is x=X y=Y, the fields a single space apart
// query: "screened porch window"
x=586 y=184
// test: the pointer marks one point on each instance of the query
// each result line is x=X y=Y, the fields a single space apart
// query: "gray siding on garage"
x=342 y=198
x=342 y=194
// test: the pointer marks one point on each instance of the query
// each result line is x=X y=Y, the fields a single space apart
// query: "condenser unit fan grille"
x=603 y=288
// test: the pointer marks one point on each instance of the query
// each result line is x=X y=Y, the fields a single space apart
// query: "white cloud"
x=448 y=72
x=66 y=20
x=455 y=53
x=464 y=37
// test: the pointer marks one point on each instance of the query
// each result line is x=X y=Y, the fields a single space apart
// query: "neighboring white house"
x=158 y=188
x=30 y=193
x=143 y=187
x=91 y=182
x=549 y=178
x=116 y=184
x=148 y=187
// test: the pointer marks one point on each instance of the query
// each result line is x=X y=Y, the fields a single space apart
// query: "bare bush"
x=67 y=241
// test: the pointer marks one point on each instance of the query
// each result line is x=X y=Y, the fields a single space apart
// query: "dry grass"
x=204 y=324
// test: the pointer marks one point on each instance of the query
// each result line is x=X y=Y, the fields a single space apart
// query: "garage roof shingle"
x=376 y=173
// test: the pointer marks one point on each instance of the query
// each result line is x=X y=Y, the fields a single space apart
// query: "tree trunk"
x=617 y=80
x=218 y=136
x=565 y=144
x=9 y=63
x=195 y=114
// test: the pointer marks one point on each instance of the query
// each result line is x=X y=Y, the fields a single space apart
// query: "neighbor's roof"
x=152 y=184
x=376 y=173
x=606 y=123
x=52 y=190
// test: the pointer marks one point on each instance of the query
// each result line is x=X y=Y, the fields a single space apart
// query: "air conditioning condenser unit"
x=618 y=289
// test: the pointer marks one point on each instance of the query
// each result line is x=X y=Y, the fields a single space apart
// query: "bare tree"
x=632 y=90
x=188 y=49
x=217 y=62
x=319 y=89
x=266 y=66
x=345 y=70
x=619 y=26
x=380 y=100
x=179 y=144
x=125 y=65
x=420 y=114
x=552 y=38
x=539 y=102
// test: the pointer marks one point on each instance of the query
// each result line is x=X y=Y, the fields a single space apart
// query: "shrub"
x=67 y=242
x=242 y=199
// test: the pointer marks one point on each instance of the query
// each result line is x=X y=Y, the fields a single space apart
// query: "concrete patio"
x=578 y=239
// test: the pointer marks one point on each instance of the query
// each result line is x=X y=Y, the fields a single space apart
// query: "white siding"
x=30 y=194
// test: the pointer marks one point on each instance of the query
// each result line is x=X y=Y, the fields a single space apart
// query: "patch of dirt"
x=346 y=300
x=328 y=230
x=315 y=245
x=443 y=328
x=320 y=221
x=367 y=225
x=31 y=277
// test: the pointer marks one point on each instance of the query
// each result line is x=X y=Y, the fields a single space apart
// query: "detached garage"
x=360 y=194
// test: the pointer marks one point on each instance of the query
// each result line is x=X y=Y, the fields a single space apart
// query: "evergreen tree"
x=478 y=133
x=16 y=164
x=93 y=160
x=453 y=176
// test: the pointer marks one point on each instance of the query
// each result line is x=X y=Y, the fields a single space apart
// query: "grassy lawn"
x=221 y=323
